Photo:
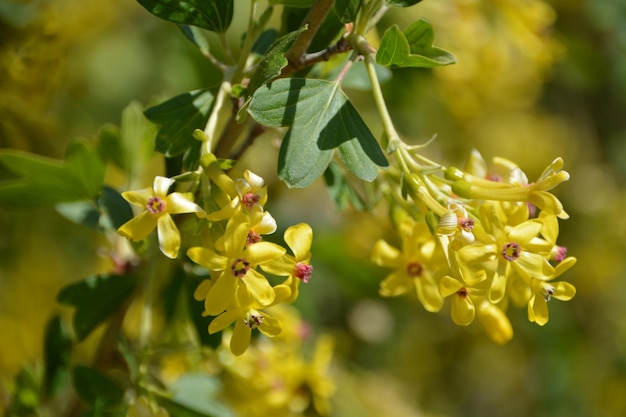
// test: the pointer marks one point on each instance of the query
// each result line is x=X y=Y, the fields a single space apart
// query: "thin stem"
x=247 y=45
x=389 y=131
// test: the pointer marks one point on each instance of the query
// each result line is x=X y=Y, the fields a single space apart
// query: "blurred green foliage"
x=533 y=81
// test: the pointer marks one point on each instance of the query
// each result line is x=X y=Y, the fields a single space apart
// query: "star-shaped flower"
x=158 y=206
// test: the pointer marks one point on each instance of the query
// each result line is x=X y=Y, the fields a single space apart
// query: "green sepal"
x=412 y=48
x=214 y=15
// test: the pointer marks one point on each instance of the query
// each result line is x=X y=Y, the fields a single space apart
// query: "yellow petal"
x=202 y=290
x=138 y=228
x=538 y=310
x=221 y=294
x=180 y=203
x=395 y=284
x=240 y=340
x=462 y=311
x=383 y=254
x=207 y=258
x=299 y=239
x=161 y=186
x=138 y=197
x=263 y=252
x=524 y=232
x=281 y=266
x=495 y=322
x=169 y=237
x=224 y=320
x=236 y=234
x=530 y=264
x=449 y=286
x=260 y=289
x=476 y=253
x=498 y=286
x=428 y=294
x=564 y=291
x=271 y=326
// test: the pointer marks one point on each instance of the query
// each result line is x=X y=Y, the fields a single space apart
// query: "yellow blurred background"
x=534 y=80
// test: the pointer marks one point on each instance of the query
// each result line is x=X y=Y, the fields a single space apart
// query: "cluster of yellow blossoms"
x=233 y=250
x=494 y=244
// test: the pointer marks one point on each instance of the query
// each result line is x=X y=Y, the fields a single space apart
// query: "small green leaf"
x=46 y=181
x=115 y=210
x=95 y=299
x=272 y=63
x=196 y=395
x=57 y=344
x=347 y=10
x=177 y=118
x=321 y=119
x=94 y=387
x=340 y=189
x=80 y=212
x=196 y=36
x=215 y=15
x=413 y=48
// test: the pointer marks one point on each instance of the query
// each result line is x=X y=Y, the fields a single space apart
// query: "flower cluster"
x=233 y=251
x=494 y=243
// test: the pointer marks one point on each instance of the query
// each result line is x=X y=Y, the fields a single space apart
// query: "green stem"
x=390 y=135
x=247 y=45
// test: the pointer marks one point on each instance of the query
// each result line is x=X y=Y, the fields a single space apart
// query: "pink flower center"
x=466 y=223
x=303 y=271
x=511 y=251
x=156 y=205
x=253 y=237
x=240 y=267
x=414 y=269
x=249 y=200
x=559 y=253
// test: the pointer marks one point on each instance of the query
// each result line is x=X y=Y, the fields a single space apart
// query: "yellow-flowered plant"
x=472 y=241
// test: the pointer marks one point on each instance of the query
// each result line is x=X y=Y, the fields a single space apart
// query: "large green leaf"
x=215 y=15
x=320 y=119
x=413 y=48
x=95 y=299
x=347 y=10
x=177 y=118
x=43 y=181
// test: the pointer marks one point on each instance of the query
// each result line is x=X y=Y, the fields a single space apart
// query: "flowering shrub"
x=482 y=236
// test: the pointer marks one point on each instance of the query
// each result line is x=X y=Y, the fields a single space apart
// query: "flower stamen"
x=156 y=205
x=511 y=251
x=303 y=271
x=240 y=267
x=249 y=200
x=414 y=269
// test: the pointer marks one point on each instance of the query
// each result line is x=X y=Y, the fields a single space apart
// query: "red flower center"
x=156 y=205
x=240 y=267
x=511 y=251
x=249 y=200
x=414 y=269
x=253 y=237
x=303 y=271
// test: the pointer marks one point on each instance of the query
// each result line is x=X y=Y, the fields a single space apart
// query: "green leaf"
x=80 y=212
x=95 y=299
x=57 y=344
x=196 y=36
x=115 y=210
x=413 y=48
x=272 y=63
x=402 y=3
x=177 y=118
x=340 y=189
x=93 y=387
x=215 y=15
x=321 y=119
x=46 y=181
x=347 y=10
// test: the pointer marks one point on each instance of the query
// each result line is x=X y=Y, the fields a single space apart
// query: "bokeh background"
x=534 y=80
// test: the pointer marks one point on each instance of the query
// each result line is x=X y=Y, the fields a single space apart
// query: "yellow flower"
x=158 y=206
x=237 y=266
x=517 y=249
x=298 y=267
x=462 y=307
x=544 y=290
x=247 y=316
x=414 y=267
